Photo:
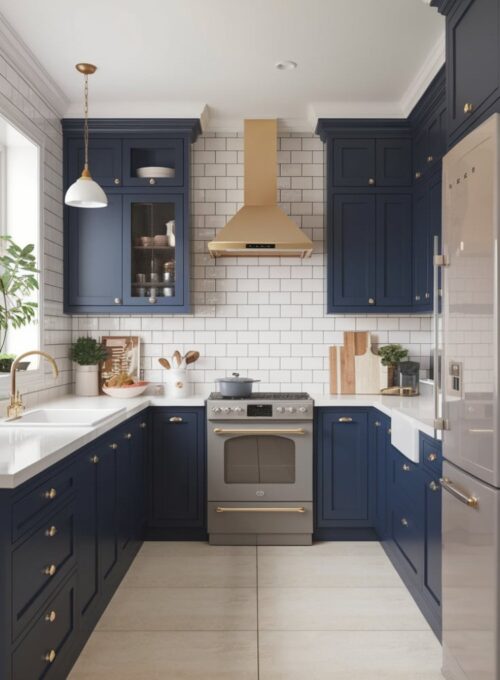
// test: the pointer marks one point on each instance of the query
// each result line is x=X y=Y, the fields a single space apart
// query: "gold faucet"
x=16 y=406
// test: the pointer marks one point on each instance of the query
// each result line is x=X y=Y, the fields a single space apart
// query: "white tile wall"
x=26 y=109
x=264 y=317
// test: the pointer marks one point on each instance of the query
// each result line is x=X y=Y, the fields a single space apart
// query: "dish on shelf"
x=126 y=391
x=161 y=240
x=147 y=241
x=155 y=171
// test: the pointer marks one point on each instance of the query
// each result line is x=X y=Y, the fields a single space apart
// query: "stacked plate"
x=155 y=171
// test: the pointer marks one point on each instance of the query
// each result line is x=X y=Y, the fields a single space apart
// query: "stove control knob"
x=238 y=409
x=290 y=409
x=227 y=409
x=216 y=410
x=280 y=409
x=303 y=409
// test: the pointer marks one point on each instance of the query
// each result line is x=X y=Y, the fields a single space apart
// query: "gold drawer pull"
x=128 y=435
x=345 y=419
x=404 y=521
x=447 y=485
x=51 y=616
x=418 y=174
x=432 y=457
x=113 y=446
x=50 y=570
x=220 y=430
x=430 y=159
x=50 y=494
x=94 y=459
x=50 y=657
x=433 y=486
x=406 y=467
x=51 y=531
x=468 y=107
x=175 y=419
x=143 y=426
x=221 y=509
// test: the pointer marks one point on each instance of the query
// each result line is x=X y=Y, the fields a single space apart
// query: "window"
x=20 y=218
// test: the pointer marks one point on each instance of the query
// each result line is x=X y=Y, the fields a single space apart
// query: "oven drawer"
x=260 y=518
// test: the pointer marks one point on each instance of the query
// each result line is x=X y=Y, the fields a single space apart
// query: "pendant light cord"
x=86 y=122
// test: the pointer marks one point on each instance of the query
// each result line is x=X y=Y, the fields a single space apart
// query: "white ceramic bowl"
x=127 y=391
x=155 y=171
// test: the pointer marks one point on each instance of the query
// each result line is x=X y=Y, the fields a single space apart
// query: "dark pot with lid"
x=235 y=386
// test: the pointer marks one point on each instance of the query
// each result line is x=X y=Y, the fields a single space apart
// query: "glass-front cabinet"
x=153 y=250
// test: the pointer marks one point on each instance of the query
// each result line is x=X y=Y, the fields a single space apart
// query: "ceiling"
x=176 y=57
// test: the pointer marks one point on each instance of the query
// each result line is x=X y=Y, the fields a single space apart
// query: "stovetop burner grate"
x=261 y=396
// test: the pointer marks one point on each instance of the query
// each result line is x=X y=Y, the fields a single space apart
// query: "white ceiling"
x=173 y=57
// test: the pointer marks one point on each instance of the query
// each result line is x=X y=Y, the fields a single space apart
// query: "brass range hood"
x=260 y=227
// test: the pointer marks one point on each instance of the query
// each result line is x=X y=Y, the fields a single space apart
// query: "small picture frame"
x=123 y=355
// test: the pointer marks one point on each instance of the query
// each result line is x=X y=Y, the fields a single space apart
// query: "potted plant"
x=87 y=354
x=18 y=281
x=391 y=355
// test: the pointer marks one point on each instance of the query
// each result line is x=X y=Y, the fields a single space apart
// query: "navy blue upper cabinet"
x=344 y=469
x=115 y=258
x=393 y=251
x=371 y=162
x=393 y=162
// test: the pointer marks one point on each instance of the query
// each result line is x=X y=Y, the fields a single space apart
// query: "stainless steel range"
x=260 y=469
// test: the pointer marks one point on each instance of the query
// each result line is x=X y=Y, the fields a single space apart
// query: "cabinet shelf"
x=162 y=248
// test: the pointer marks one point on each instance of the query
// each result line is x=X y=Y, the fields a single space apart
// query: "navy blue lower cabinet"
x=344 y=471
x=433 y=543
x=379 y=436
x=177 y=474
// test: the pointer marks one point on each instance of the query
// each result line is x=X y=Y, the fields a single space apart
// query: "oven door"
x=260 y=461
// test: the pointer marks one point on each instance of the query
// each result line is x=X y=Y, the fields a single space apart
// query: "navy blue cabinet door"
x=473 y=60
x=162 y=153
x=379 y=429
x=353 y=162
x=94 y=255
x=432 y=565
x=421 y=259
x=177 y=474
x=105 y=160
x=352 y=250
x=107 y=509
x=393 y=250
x=342 y=493
x=393 y=162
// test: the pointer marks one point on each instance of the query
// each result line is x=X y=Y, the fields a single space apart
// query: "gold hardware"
x=345 y=419
x=143 y=425
x=440 y=261
x=86 y=69
x=152 y=180
x=94 y=459
x=117 y=301
x=371 y=301
x=51 y=617
x=113 y=446
x=377 y=423
x=16 y=406
x=406 y=467
x=371 y=181
x=404 y=521
x=50 y=494
x=50 y=656
x=175 y=419
x=389 y=430
x=471 y=501
x=417 y=298
x=51 y=531
x=427 y=296
x=50 y=570
x=219 y=430
x=221 y=509
x=433 y=486
x=432 y=457
x=116 y=180
x=418 y=174
x=430 y=159
x=128 y=435
x=480 y=430
x=468 y=107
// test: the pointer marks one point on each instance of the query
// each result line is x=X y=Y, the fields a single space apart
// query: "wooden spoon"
x=191 y=357
x=176 y=356
x=165 y=363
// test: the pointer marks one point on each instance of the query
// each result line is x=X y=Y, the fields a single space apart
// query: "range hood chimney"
x=260 y=227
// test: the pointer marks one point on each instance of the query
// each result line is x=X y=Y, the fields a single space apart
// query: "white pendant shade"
x=85 y=193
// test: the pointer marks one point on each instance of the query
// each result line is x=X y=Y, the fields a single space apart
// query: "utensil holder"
x=177 y=383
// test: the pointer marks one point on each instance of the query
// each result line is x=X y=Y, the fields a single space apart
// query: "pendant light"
x=85 y=193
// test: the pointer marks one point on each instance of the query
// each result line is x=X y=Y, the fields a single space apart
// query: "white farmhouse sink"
x=405 y=436
x=66 y=417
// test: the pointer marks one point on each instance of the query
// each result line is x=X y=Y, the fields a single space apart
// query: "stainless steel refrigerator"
x=469 y=379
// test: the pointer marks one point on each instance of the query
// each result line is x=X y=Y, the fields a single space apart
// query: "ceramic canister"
x=177 y=383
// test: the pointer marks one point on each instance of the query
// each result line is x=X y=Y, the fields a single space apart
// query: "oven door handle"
x=220 y=430
x=300 y=510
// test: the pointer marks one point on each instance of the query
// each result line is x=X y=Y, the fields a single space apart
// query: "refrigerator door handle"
x=447 y=485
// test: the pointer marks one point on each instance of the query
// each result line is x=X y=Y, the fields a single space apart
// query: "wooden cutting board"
x=342 y=362
x=367 y=368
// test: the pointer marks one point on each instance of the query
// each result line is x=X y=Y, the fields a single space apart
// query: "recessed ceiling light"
x=286 y=65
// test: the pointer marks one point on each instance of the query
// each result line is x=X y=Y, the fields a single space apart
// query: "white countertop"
x=27 y=451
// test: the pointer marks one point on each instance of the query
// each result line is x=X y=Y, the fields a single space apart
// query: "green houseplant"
x=18 y=280
x=87 y=354
x=391 y=355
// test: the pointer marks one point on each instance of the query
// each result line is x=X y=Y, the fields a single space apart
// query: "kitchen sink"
x=67 y=417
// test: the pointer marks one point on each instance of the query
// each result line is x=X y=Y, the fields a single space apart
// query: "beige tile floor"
x=190 y=611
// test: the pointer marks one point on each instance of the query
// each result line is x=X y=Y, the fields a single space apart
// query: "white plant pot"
x=177 y=384
x=86 y=381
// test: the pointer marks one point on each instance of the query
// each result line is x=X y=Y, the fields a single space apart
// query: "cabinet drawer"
x=27 y=511
x=430 y=454
x=41 y=561
x=407 y=532
x=39 y=654
x=404 y=475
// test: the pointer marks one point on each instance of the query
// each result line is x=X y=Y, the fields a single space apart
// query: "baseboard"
x=345 y=534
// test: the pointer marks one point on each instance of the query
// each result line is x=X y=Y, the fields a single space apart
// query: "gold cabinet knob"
x=389 y=431
x=468 y=107
x=430 y=159
x=51 y=616
x=417 y=298
x=50 y=570
x=377 y=423
x=371 y=182
x=433 y=486
x=404 y=521
x=50 y=494
x=175 y=419
x=427 y=296
x=116 y=180
x=418 y=174
x=143 y=426
x=117 y=301
x=128 y=435
x=432 y=457
x=94 y=460
x=51 y=531
x=406 y=467
x=152 y=180
x=113 y=446
x=371 y=301
x=50 y=657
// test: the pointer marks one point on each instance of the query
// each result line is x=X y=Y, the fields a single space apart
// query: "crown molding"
x=22 y=60
x=429 y=69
